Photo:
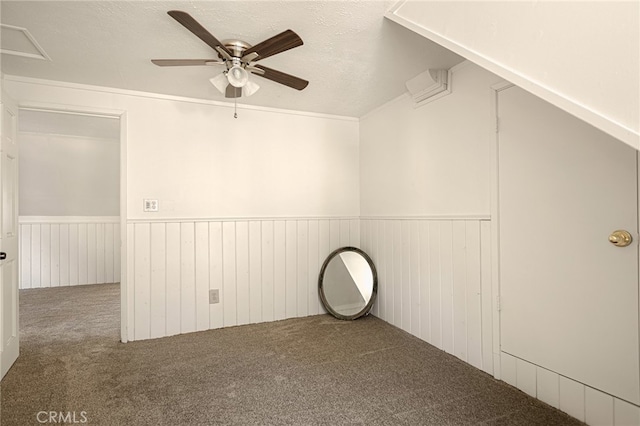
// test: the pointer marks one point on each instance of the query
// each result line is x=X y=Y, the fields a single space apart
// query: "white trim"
x=495 y=226
x=235 y=219
x=84 y=138
x=67 y=219
x=22 y=54
x=43 y=55
x=480 y=217
x=71 y=109
x=125 y=299
x=65 y=111
x=140 y=94
x=431 y=217
x=638 y=232
x=583 y=112
x=394 y=8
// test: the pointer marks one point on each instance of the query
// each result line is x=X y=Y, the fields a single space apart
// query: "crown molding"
x=149 y=95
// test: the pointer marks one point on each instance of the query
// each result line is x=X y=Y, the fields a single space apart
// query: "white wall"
x=433 y=160
x=582 y=56
x=200 y=162
x=425 y=205
x=62 y=175
x=208 y=169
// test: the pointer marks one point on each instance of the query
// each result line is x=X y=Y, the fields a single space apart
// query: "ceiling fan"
x=239 y=59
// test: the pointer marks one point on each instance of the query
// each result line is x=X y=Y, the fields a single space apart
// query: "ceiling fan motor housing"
x=237 y=47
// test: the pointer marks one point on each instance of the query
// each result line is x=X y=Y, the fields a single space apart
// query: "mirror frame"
x=374 y=291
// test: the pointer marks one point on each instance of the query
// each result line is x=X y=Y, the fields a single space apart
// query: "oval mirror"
x=348 y=283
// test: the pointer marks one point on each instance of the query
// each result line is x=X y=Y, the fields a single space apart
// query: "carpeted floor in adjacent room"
x=315 y=370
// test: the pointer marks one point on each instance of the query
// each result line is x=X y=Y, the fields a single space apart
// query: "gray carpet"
x=314 y=370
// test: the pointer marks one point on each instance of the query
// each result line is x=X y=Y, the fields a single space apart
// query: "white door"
x=9 y=344
x=569 y=297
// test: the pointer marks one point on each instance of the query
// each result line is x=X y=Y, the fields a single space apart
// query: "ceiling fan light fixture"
x=220 y=82
x=250 y=88
x=237 y=76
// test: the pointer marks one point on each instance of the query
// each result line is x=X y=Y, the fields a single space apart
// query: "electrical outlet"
x=151 y=205
x=214 y=296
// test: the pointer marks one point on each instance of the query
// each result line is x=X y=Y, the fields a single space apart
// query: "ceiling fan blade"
x=282 y=78
x=185 y=62
x=192 y=25
x=233 y=92
x=277 y=44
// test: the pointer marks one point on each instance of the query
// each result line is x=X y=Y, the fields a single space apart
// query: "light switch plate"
x=214 y=296
x=151 y=205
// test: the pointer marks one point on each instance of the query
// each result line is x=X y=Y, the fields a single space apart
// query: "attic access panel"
x=18 y=41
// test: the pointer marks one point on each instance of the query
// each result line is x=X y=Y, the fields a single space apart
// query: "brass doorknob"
x=620 y=238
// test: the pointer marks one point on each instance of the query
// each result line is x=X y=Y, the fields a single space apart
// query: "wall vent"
x=429 y=86
x=18 y=41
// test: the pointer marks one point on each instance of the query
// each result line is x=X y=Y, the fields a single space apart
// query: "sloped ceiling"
x=581 y=56
x=354 y=59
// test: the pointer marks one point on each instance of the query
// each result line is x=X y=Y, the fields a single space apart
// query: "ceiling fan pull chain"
x=235 y=107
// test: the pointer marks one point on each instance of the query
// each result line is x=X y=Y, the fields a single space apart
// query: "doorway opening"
x=70 y=217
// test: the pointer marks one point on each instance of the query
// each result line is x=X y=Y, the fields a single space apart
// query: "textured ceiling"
x=354 y=59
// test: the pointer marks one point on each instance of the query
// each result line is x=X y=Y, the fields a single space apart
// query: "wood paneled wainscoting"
x=583 y=402
x=434 y=281
x=263 y=270
x=69 y=250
